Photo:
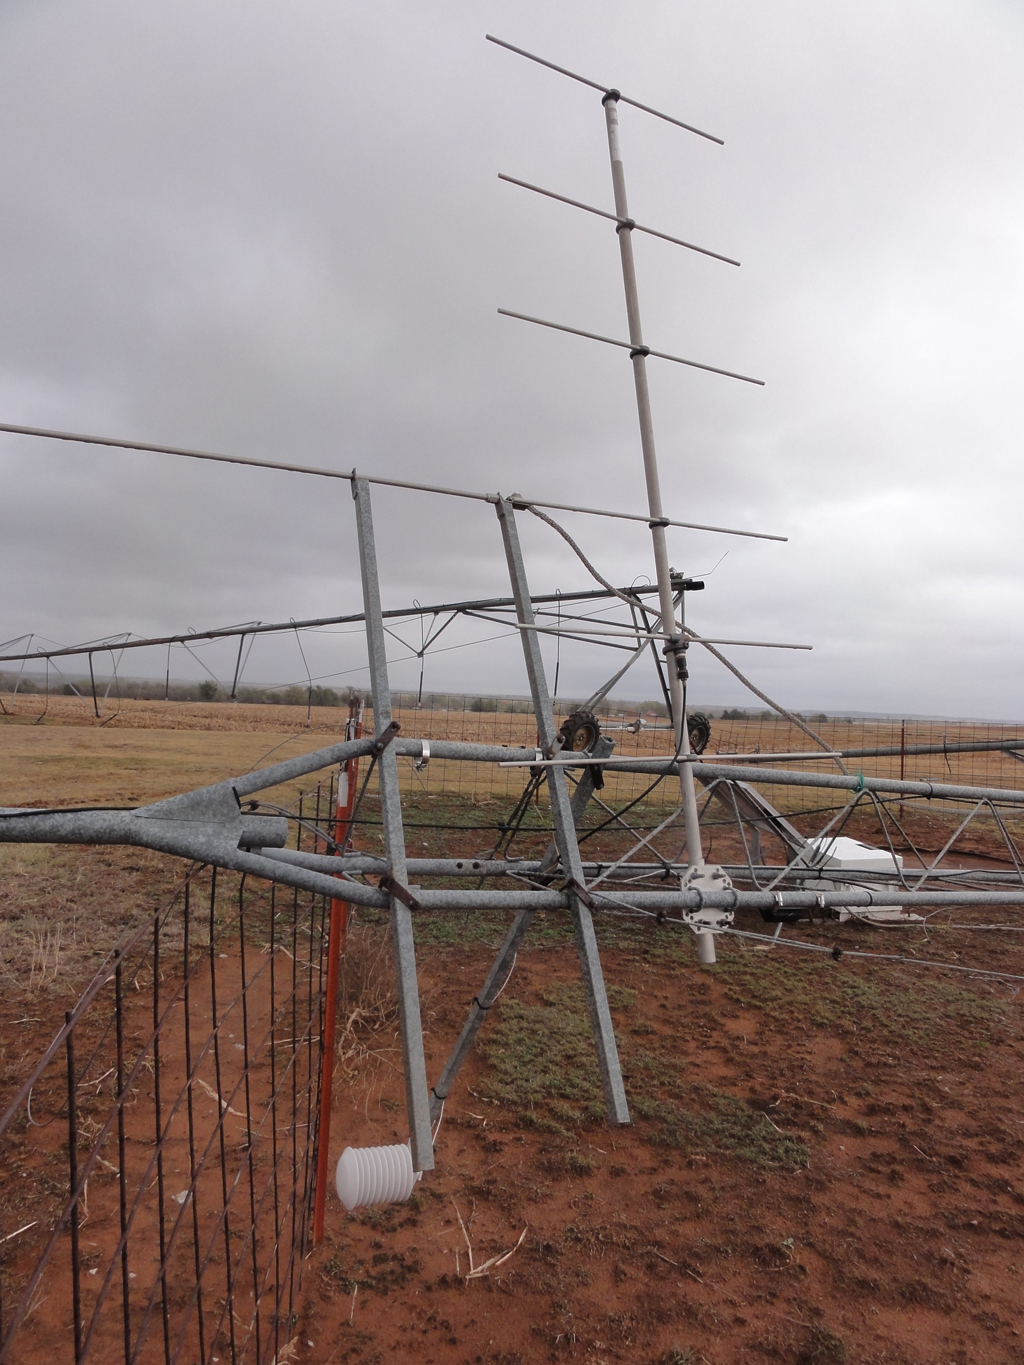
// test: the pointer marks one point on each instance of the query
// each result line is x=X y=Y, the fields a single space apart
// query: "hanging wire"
x=692 y=634
x=309 y=694
x=46 y=704
x=116 y=680
x=558 y=645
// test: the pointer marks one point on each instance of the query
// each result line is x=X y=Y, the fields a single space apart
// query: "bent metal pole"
x=675 y=647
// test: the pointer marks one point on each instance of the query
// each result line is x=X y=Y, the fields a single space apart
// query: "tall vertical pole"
x=675 y=647
x=565 y=832
x=417 y=1098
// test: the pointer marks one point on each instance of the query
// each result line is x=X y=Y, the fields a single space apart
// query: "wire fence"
x=639 y=730
x=511 y=723
x=157 y=1156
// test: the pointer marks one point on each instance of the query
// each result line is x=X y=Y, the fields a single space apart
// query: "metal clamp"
x=581 y=893
x=419 y=764
x=401 y=893
x=385 y=737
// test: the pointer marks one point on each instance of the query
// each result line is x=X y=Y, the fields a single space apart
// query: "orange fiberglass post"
x=348 y=776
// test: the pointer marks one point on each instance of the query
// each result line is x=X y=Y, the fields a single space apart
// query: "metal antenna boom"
x=676 y=645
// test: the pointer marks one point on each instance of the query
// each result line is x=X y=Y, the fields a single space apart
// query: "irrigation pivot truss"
x=223 y=827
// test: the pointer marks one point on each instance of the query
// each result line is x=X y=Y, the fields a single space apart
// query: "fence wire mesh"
x=158 y=1152
x=512 y=724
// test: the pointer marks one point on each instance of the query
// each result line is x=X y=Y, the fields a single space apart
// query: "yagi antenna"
x=623 y=222
x=628 y=346
x=675 y=642
x=606 y=90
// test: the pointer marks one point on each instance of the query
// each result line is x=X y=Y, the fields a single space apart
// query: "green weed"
x=541 y=1062
x=538 y=1053
x=829 y=996
x=702 y=1119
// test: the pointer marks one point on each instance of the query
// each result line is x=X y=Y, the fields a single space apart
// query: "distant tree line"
x=136 y=689
x=296 y=695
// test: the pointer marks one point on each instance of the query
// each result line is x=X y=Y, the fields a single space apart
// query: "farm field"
x=47 y=741
x=825 y=1162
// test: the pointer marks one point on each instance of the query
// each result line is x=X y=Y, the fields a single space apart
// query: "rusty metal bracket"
x=401 y=893
x=385 y=737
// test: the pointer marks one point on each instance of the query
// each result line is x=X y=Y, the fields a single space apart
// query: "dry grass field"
x=156 y=748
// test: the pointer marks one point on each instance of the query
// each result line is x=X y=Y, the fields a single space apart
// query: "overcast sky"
x=276 y=229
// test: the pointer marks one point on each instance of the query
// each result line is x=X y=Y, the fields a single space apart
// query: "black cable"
x=619 y=814
x=60 y=810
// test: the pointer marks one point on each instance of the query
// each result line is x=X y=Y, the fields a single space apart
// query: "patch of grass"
x=543 y=1053
x=539 y=1053
x=702 y=1119
x=541 y=1062
x=656 y=1068
x=829 y=1349
x=558 y=1161
x=828 y=995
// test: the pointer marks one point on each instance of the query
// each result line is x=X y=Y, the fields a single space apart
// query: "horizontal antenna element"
x=628 y=346
x=606 y=90
x=630 y=223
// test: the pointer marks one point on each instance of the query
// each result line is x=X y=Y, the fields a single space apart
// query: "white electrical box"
x=845 y=855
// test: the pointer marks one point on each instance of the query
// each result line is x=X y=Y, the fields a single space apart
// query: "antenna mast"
x=676 y=644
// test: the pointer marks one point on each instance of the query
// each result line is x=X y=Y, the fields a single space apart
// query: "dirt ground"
x=824 y=1165
x=825 y=1158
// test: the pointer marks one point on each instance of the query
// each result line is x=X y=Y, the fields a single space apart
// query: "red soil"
x=899 y=1240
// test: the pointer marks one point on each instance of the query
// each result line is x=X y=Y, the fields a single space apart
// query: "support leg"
x=505 y=961
x=565 y=832
x=417 y=1098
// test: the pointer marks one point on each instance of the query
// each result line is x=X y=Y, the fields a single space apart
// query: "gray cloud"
x=277 y=230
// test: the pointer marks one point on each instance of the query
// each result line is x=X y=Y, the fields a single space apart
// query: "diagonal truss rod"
x=504 y=963
x=410 y=1019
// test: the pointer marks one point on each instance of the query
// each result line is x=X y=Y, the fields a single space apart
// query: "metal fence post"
x=565 y=831
x=417 y=1097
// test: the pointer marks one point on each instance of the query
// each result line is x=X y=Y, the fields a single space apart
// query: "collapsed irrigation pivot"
x=289 y=1020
